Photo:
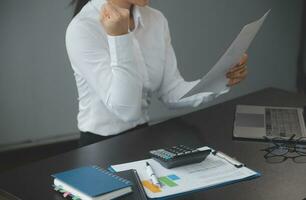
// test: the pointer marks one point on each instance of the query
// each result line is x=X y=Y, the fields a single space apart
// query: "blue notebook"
x=92 y=181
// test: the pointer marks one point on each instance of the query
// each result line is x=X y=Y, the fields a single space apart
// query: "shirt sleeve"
x=109 y=68
x=174 y=86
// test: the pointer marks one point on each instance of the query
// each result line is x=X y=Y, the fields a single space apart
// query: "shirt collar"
x=138 y=16
x=136 y=11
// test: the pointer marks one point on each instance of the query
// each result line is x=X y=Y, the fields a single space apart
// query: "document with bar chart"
x=212 y=172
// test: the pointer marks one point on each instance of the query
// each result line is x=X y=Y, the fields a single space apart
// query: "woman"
x=121 y=52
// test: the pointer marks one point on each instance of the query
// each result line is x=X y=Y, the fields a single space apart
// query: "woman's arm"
x=108 y=67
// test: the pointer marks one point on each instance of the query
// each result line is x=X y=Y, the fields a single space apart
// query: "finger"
x=113 y=6
x=237 y=79
x=244 y=59
x=242 y=62
x=240 y=71
x=230 y=83
x=233 y=82
x=238 y=75
x=105 y=14
x=119 y=10
x=111 y=11
x=237 y=68
x=237 y=71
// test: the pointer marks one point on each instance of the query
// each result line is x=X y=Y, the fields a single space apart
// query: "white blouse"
x=116 y=75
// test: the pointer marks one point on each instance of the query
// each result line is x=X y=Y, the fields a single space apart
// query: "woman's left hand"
x=238 y=73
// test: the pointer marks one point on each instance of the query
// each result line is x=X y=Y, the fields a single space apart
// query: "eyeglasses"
x=281 y=149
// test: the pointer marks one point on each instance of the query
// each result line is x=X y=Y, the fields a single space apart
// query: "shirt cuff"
x=120 y=48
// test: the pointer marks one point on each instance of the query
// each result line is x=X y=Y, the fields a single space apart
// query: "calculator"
x=178 y=156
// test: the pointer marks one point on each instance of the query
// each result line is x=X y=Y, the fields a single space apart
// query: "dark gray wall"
x=38 y=94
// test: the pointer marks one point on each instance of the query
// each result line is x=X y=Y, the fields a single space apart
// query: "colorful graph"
x=165 y=181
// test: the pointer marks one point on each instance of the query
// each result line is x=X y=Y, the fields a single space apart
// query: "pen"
x=228 y=159
x=152 y=175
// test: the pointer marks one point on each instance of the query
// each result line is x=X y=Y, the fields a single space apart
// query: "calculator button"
x=171 y=154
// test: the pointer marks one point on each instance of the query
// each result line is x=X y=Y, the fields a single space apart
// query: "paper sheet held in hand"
x=215 y=80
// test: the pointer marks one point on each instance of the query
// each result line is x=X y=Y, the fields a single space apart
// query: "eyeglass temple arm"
x=291 y=138
x=304 y=113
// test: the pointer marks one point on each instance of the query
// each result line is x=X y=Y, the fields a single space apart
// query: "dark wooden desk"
x=212 y=126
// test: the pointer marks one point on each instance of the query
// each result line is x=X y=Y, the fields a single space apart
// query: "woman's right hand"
x=114 y=19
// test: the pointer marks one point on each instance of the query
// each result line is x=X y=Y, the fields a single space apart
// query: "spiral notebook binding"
x=112 y=175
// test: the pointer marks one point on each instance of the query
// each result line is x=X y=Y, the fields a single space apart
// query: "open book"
x=215 y=171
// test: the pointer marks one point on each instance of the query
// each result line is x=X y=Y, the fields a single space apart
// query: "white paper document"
x=213 y=171
x=215 y=80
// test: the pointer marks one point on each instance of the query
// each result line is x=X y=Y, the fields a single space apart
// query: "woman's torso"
x=149 y=55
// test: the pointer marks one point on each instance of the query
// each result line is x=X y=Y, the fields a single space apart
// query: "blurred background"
x=38 y=96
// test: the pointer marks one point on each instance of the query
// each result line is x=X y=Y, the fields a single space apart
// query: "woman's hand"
x=239 y=72
x=114 y=19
